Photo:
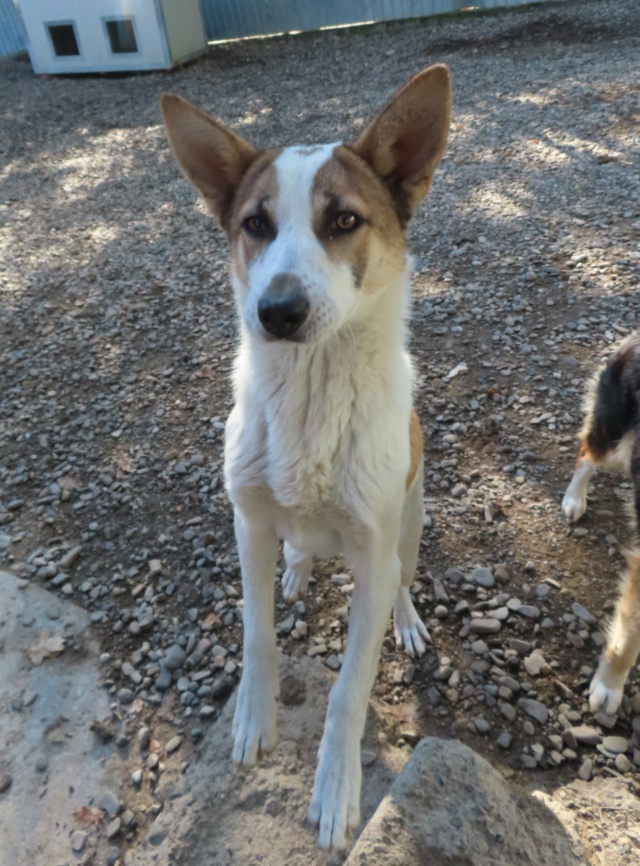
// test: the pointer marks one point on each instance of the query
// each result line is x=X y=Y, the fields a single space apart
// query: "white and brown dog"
x=323 y=449
x=610 y=439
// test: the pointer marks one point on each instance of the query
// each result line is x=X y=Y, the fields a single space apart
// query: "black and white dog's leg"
x=295 y=579
x=574 y=502
x=335 y=801
x=623 y=645
x=254 y=723
x=410 y=632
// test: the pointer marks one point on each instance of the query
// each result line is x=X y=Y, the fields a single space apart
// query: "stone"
x=482 y=725
x=484 y=626
x=530 y=611
x=535 y=709
x=617 y=745
x=583 y=734
x=446 y=785
x=173 y=745
x=483 y=577
x=109 y=803
x=586 y=770
x=78 y=840
x=174 y=657
x=623 y=764
x=113 y=828
x=583 y=614
x=533 y=664
x=504 y=740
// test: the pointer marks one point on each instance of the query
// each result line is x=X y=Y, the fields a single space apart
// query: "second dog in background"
x=611 y=440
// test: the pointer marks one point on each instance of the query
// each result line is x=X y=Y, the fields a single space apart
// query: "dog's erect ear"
x=212 y=157
x=405 y=142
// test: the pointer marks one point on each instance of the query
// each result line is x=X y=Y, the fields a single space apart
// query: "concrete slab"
x=50 y=760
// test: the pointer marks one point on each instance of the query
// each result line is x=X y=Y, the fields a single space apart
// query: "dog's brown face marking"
x=355 y=220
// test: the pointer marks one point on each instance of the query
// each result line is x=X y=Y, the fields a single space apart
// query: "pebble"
x=78 y=840
x=583 y=614
x=615 y=744
x=623 y=764
x=504 y=740
x=483 y=577
x=535 y=709
x=109 y=803
x=174 y=658
x=482 y=725
x=173 y=745
x=484 y=626
x=113 y=828
x=585 y=735
x=533 y=664
x=586 y=770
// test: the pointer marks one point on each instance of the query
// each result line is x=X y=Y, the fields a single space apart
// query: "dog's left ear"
x=405 y=142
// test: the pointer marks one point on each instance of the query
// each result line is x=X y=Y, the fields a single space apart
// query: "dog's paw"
x=254 y=723
x=411 y=633
x=335 y=801
x=573 y=507
x=294 y=585
x=605 y=691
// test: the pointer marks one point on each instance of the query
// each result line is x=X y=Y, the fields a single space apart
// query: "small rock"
x=586 y=770
x=109 y=803
x=483 y=577
x=484 y=626
x=78 y=840
x=623 y=764
x=504 y=740
x=530 y=611
x=482 y=725
x=535 y=709
x=617 y=745
x=173 y=745
x=174 y=657
x=533 y=664
x=583 y=614
x=584 y=734
x=113 y=828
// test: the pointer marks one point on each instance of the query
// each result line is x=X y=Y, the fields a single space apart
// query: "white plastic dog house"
x=111 y=35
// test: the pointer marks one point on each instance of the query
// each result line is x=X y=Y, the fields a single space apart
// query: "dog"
x=322 y=448
x=610 y=439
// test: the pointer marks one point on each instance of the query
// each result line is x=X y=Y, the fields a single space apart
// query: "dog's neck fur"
x=314 y=400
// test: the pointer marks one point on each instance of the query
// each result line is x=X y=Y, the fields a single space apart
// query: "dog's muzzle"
x=284 y=306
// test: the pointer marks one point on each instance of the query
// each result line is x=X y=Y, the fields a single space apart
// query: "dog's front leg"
x=335 y=801
x=254 y=723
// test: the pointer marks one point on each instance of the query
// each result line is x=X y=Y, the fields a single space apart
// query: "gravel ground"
x=117 y=333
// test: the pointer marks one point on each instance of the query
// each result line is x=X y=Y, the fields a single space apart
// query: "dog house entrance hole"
x=122 y=37
x=63 y=39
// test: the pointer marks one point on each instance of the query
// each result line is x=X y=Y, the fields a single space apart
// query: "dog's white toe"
x=294 y=585
x=254 y=723
x=335 y=801
x=573 y=507
x=411 y=633
x=605 y=691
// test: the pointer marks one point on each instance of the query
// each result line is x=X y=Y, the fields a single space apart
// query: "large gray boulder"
x=449 y=807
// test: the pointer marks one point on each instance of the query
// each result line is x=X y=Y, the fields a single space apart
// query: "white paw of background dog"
x=335 y=801
x=605 y=691
x=254 y=722
x=294 y=585
x=411 y=633
x=573 y=507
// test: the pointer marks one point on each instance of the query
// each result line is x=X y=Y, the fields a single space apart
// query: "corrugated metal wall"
x=11 y=33
x=228 y=19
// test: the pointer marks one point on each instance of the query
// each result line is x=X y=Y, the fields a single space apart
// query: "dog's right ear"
x=211 y=156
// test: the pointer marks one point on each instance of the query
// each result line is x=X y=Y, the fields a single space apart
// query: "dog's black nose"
x=284 y=306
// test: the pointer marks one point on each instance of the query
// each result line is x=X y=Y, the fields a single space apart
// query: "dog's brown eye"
x=347 y=222
x=255 y=225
